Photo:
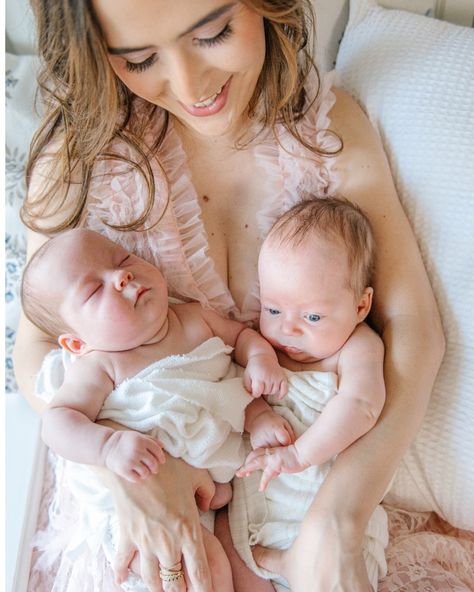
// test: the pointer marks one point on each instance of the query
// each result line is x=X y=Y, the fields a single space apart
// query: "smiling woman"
x=192 y=68
x=181 y=131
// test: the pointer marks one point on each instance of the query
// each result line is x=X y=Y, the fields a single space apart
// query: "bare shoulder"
x=95 y=366
x=188 y=312
x=363 y=341
x=193 y=319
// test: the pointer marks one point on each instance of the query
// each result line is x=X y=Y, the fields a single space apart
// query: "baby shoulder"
x=364 y=340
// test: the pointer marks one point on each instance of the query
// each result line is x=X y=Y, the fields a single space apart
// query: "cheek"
x=140 y=84
x=248 y=54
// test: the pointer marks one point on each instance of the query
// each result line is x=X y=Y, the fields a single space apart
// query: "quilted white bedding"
x=418 y=90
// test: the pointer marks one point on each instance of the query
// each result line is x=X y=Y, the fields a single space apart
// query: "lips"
x=291 y=350
x=141 y=290
x=211 y=105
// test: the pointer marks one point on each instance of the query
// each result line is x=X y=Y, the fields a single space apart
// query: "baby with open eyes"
x=315 y=268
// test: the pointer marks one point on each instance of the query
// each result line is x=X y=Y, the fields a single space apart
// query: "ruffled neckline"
x=178 y=244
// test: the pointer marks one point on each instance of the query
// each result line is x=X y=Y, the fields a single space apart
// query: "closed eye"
x=94 y=292
x=125 y=260
x=141 y=66
x=224 y=34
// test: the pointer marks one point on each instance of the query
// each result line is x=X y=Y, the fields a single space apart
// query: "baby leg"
x=222 y=496
x=219 y=564
x=243 y=577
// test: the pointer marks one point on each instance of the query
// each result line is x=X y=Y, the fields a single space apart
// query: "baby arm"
x=265 y=427
x=69 y=428
x=347 y=416
x=263 y=374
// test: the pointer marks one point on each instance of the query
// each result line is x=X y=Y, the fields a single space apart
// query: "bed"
x=413 y=74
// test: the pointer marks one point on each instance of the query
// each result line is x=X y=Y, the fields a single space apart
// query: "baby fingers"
x=268 y=474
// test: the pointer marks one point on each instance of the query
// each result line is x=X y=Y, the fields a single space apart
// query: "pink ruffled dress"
x=417 y=560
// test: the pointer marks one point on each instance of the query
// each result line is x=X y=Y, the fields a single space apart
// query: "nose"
x=290 y=327
x=186 y=77
x=122 y=278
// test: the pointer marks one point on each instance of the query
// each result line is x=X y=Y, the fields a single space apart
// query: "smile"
x=211 y=105
x=208 y=102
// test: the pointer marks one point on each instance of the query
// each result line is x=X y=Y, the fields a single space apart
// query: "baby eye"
x=141 y=66
x=125 y=260
x=313 y=318
x=272 y=311
x=94 y=292
x=219 y=38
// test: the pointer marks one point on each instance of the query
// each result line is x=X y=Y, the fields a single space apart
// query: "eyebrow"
x=212 y=16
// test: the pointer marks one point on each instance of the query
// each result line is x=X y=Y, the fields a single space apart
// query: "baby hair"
x=335 y=219
x=39 y=304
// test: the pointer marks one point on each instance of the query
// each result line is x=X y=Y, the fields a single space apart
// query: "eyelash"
x=213 y=41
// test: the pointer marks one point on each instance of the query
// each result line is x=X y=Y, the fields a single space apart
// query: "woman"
x=182 y=129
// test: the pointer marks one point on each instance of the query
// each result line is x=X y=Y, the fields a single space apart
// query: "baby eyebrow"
x=213 y=15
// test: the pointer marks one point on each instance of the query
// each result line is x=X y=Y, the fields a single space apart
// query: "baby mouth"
x=139 y=293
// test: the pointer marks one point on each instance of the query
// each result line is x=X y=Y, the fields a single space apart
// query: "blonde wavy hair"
x=83 y=122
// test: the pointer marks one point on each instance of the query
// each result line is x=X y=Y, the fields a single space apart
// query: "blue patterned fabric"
x=21 y=120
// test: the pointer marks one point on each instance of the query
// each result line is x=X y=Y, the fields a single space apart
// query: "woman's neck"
x=225 y=143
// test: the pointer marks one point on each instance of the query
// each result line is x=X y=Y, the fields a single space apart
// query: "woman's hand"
x=159 y=523
x=322 y=558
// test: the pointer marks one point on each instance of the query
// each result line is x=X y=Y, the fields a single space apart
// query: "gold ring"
x=171 y=574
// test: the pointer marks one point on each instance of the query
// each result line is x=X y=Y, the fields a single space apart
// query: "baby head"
x=315 y=269
x=92 y=294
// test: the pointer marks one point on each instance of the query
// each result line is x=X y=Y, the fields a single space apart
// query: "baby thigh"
x=245 y=580
x=219 y=565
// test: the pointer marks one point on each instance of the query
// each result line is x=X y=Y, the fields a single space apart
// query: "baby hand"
x=132 y=455
x=264 y=376
x=273 y=461
x=270 y=429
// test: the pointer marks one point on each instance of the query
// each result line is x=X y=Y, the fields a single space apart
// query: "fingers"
x=204 y=491
x=197 y=566
x=255 y=461
x=155 y=450
x=267 y=476
x=282 y=390
x=285 y=434
x=149 y=571
x=123 y=558
x=257 y=388
x=270 y=559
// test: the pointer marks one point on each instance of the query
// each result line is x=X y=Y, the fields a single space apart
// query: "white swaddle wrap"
x=273 y=518
x=194 y=403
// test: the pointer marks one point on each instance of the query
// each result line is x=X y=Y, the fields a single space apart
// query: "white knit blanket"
x=273 y=518
x=194 y=403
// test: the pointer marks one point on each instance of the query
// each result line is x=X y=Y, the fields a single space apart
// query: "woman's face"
x=198 y=59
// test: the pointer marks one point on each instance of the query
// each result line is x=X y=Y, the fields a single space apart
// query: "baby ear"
x=73 y=344
x=365 y=303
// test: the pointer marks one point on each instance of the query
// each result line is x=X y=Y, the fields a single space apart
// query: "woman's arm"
x=406 y=315
x=31 y=345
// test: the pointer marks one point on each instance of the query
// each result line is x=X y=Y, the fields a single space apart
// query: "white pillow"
x=414 y=76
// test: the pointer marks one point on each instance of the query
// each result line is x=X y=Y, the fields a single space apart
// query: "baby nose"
x=290 y=327
x=122 y=278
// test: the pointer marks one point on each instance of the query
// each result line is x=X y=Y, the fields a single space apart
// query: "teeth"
x=208 y=101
